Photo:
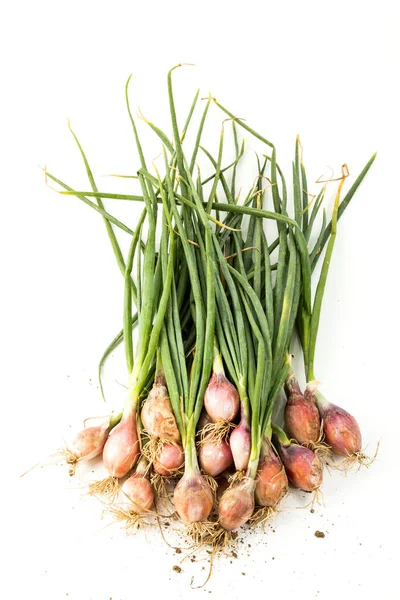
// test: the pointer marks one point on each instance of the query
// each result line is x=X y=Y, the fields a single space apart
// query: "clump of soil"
x=176 y=569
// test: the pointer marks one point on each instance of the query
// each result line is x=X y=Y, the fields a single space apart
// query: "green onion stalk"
x=264 y=342
x=162 y=447
x=302 y=419
x=221 y=399
x=161 y=415
x=335 y=419
x=272 y=481
x=232 y=332
x=240 y=440
x=237 y=503
x=241 y=298
x=302 y=466
x=90 y=442
x=122 y=448
x=193 y=497
x=340 y=429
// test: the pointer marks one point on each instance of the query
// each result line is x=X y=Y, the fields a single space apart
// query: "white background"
x=325 y=70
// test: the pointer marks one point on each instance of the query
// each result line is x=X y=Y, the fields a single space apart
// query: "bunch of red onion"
x=214 y=331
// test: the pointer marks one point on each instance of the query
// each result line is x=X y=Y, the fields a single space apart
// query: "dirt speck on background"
x=319 y=534
x=176 y=569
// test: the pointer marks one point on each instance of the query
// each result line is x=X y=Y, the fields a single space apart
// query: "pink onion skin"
x=90 y=442
x=302 y=466
x=341 y=430
x=169 y=457
x=157 y=416
x=221 y=398
x=193 y=498
x=215 y=457
x=236 y=505
x=137 y=490
x=271 y=480
x=302 y=418
x=240 y=443
x=122 y=449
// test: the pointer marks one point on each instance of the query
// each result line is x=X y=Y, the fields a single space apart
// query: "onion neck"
x=114 y=420
x=320 y=399
x=159 y=378
x=142 y=467
x=131 y=402
x=218 y=367
x=292 y=384
x=244 y=404
x=245 y=422
x=268 y=431
x=191 y=464
x=280 y=435
x=254 y=459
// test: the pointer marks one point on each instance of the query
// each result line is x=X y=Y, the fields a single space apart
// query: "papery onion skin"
x=215 y=457
x=236 y=505
x=122 y=449
x=221 y=398
x=157 y=416
x=193 y=498
x=168 y=459
x=341 y=430
x=240 y=443
x=271 y=480
x=302 y=465
x=302 y=418
x=89 y=442
x=136 y=494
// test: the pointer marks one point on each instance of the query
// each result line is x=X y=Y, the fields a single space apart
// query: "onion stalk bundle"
x=214 y=320
x=122 y=449
x=305 y=414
